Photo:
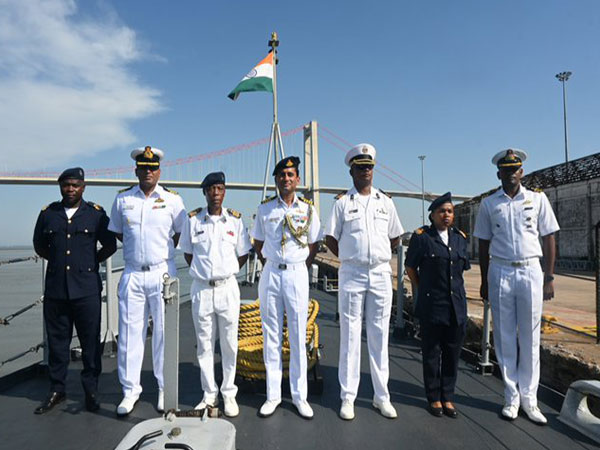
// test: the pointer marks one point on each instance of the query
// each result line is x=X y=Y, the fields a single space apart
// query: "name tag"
x=125 y=207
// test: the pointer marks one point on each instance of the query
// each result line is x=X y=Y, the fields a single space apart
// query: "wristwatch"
x=548 y=278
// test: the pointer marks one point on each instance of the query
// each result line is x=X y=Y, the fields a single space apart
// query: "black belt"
x=282 y=266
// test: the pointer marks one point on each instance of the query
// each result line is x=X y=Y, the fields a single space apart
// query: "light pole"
x=562 y=77
x=422 y=158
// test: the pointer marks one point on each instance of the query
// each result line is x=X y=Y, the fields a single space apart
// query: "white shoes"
x=534 y=414
x=207 y=401
x=510 y=412
x=386 y=409
x=347 y=410
x=126 y=405
x=160 y=404
x=231 y=408
x=269 y=407
x=304 y=409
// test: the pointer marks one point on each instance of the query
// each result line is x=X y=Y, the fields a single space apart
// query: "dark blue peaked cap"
x=447 y=197
x=74 y=173
x=213 y=178
x=286 y=163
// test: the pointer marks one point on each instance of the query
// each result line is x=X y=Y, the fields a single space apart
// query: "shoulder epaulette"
x=340 y=195
x=127 y=188
x=537 y=189
x=385 y=193
x=194 y=212
x=171 y=191
x=419 y=230
x=95 y=206
x=234 y=213
x=306 y=200
x=45 y=208
x=461 y=232
x=268 y=199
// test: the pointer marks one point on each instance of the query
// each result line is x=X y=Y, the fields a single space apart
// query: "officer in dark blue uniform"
x=435 y=262
x=66 y=234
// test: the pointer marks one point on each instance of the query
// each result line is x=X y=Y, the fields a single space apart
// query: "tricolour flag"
x=258 y=79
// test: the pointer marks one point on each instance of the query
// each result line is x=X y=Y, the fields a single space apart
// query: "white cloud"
x=66 y=86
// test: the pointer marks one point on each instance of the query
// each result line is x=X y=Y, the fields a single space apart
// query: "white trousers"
x=216 y=309
x=140 y=296
x=516 y=298
x=287 y=290
x=361 y=289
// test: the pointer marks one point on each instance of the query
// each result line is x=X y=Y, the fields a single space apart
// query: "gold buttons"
x=68 y=252
x=85 y=231
x=69 y=221
x=68 y=267
x=68 y=236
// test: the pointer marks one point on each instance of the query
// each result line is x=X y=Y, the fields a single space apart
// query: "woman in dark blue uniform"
x=435 y=262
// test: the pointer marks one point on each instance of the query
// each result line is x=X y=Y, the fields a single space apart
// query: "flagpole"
x=275 y=142
x=279 y=152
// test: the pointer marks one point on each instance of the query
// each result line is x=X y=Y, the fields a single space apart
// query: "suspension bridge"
x=244 y=165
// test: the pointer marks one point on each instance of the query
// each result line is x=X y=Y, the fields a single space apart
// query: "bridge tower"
x=311 y=163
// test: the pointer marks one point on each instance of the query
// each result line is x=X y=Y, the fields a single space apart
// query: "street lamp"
x=422 y=158
x=562 y=77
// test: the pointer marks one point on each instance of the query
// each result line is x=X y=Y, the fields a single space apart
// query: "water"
x=21 y=285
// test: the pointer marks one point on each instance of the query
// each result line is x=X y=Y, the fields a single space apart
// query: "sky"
x=82 y=83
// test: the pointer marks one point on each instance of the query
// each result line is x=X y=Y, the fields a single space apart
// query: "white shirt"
x=147 y=224
x=444 y=236
x=70 y=212
x=215 y=242
x=363 y=227
x=268 y=227
x=514 y=225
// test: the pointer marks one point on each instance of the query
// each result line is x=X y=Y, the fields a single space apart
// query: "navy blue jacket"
x=70 y=246
x=441 y=294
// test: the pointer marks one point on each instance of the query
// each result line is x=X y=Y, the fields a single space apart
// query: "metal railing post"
x=171 y=363
x=399 y=326
x=484 y=361
x=112 y=308
x=597 y=261
x=44 y=333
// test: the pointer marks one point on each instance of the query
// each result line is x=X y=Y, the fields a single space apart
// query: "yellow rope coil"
x=250 y=362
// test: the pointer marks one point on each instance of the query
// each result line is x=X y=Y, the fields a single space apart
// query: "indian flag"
x=258 y=79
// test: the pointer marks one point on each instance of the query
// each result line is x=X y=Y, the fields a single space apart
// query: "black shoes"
x=435 y=411
x=450 y=412
x=91 y=402
x=53 y=399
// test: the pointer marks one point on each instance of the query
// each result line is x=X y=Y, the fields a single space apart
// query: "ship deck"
x=478 y=399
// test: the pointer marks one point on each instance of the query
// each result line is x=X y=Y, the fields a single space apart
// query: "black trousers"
x=441 y=345
x=60 y=315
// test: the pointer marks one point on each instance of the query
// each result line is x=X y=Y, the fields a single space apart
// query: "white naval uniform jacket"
x=363 y=226
x=215 y=243
x=268 y=227
x=147 y=224
x=514 y=225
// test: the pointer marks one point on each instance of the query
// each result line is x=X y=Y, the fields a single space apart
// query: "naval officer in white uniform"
x=285 y=233
x=215 y=245
x=148 y=219
x=509 y=225
x=362 y=231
